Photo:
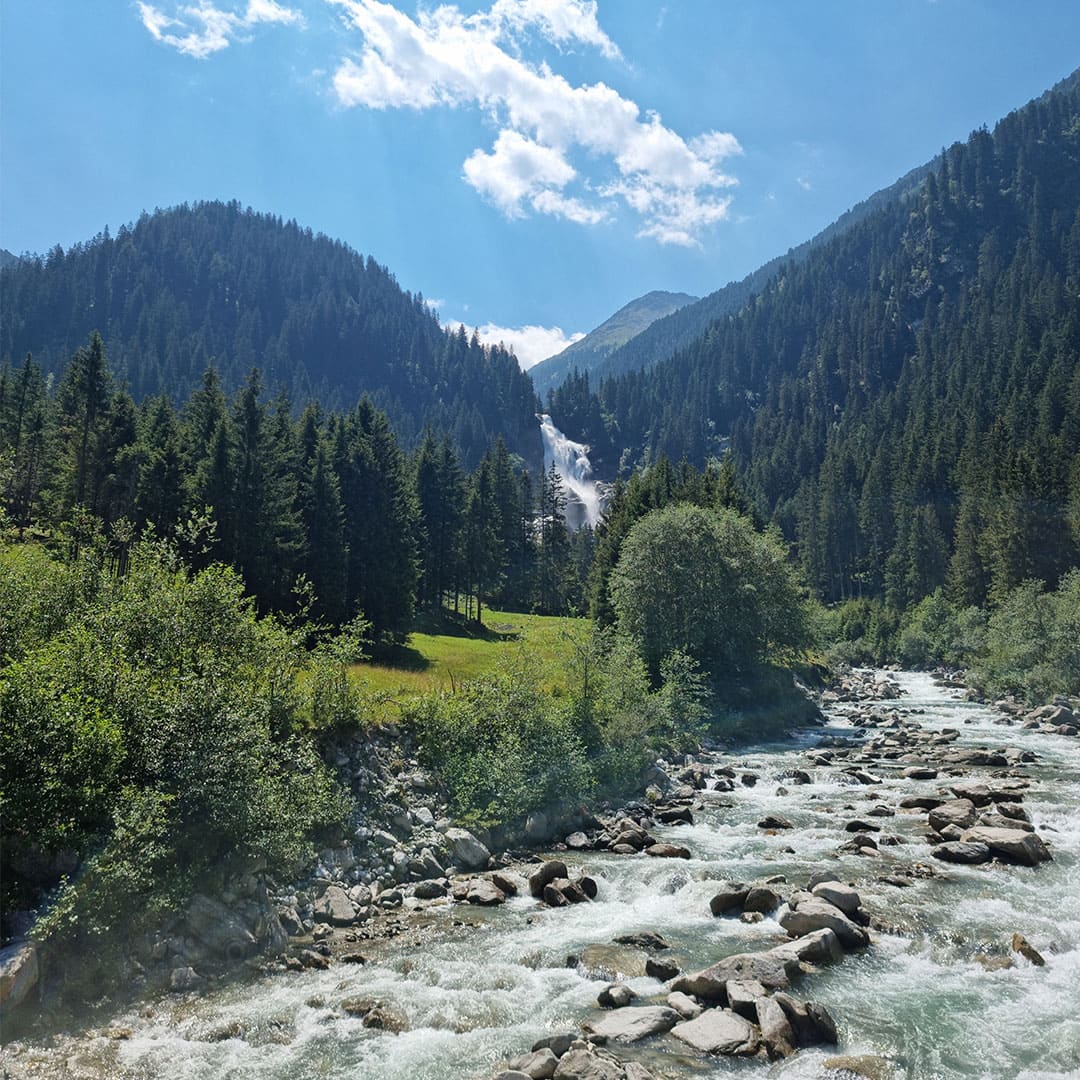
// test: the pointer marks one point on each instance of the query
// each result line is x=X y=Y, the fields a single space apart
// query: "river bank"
x=471 y=986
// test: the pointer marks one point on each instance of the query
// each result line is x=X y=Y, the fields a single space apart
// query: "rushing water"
x=475 y=995
x=571 y=460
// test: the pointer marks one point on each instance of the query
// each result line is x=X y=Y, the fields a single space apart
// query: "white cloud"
x=200 y=30
x=530 y=344
x=804 y=183
x=444 y=58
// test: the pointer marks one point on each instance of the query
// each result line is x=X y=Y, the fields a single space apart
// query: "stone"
x=956 y=851
x=762 y=899
x=776 y=1031
x=644 y=939
x=661 y=969
x=309 y=958
x=772 y=969
x=919 y=772
x=557 y=1044
x=813 y=913
x=19 y=972
x=868 y=1066
x=335 y=907
x=1010 y=845
x=921 y=802
x=465 y=849
x=385 y=1017
x=583 y=1065
x=730 y=898
x=429 y=890
x=675 y=815
x=741 y=996
x=684 y=1005
x=1000 y=821
x=547 y=873
x=485 y=893
x=615 y=996
x=817 y=947
x=537 y=1065
x=841 y=896
x=668 y=851
x=958 y=812
x=811 y=1022
x=184 y=979
x=578 y=841
x=773 y=821
x=718 y=1031
x=1021 y=945
x=220 y=929
x=537 y=827
x=631 y=1023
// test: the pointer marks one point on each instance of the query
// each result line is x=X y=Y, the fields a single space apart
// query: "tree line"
x=327 y=499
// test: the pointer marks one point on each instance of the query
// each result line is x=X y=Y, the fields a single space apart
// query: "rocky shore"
x=406 y=863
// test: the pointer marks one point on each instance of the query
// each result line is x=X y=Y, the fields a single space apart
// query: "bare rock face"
x=1010 y=845
x=634 y=1022
x=19 y=972
x=718 y=1031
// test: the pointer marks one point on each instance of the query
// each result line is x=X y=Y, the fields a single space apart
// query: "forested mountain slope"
x=212 y=281
x=588 y=354
x=904 y=402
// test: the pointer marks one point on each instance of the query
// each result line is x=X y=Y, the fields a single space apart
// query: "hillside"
x=904 y=399
x=588 y=354
x=212 y=281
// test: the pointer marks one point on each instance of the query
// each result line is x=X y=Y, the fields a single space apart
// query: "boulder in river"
x=958 y=812
x=335 y=907
x=537 y=1064
x=776 y=1031
x=762 y=899
x=774 y=821
x=1021 y=945
x=581 y=1064
x=1010 y=845
x=956 y=851
x=729 y=899
x=808 y=912
x=772 y=968
x=547 y=873
x=485 y=893
x=811 y=1022
x=615 y=996
x=839 y=895
x=718 y=1031
x=19 y=971
x=631 y=1023
x=668 y=851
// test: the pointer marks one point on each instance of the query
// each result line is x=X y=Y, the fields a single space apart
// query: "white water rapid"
x=485 y=983
x=571 y=460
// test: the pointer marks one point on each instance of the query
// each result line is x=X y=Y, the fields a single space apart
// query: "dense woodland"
x=903 y=402
x=214 y=283
x=329 y=499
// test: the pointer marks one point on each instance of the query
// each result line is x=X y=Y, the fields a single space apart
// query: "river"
x=476 y=994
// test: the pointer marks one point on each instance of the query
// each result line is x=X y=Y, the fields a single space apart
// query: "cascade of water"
x=571 y=460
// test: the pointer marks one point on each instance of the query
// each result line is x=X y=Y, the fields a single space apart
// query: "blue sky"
x=523 y=163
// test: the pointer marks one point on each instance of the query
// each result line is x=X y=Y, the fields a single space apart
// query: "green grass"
x=443 y=651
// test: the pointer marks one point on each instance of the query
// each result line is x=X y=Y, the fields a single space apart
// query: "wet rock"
x=547 y=873
x=663 y=970
x=776 y=1031
x=773 y=969
x=808 y=912
x=631 y=1023
x=613 y=962
x=585 y=1065
x=510 y=884
x=860 y=826
x=841 y=896
x=557 y=1044
x=811 y=1022
x=684 y=1005
x=485 y=893
x=615 y=996
x=729 y=899
x=676 y=815
x=742 y=995
x=773 y=821
x=184 y=979
x=668 y=851
x=921 y=802
x=537 y=1065
x=578 y=841
x=919 y=772
x=465 y=849
x=762 y=899
x=817 y=947
x=19 y=972
x=958 y=812
x=956 y=851
x=309 y=958
x=1010 y=845
x=1000 y=821
x=1021 y=945
x=645 y=939
x=869 y=1066
x=718 y=1031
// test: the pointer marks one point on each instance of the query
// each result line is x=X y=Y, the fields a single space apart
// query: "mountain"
x=212 y=282
x=903 y=400
x=588 y=354
x=674 y=331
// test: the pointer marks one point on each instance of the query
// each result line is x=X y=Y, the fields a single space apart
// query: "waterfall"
x=571 y=460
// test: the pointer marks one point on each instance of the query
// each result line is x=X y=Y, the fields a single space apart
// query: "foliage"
x=706 y=584
x=152 y=729
x=501 y=746
x=935 y=631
